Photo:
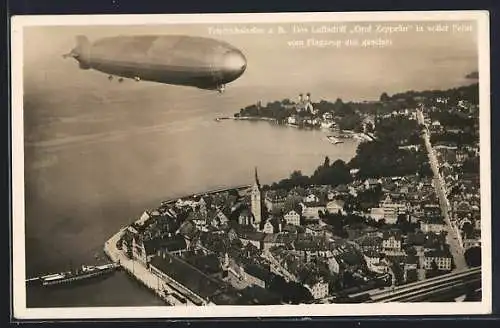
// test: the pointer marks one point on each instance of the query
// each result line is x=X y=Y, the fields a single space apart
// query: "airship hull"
x=181 y=60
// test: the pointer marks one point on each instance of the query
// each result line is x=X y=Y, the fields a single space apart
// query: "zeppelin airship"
x=171 y=59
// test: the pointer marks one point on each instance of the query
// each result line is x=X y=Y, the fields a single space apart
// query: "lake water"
x=97 y=157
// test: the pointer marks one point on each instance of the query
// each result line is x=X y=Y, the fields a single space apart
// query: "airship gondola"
x=199 y=62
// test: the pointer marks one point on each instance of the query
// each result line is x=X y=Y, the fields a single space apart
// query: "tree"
x=291 y=292
x=473 y=256
x=326 y=163
x=384 y=97
x=467 y=229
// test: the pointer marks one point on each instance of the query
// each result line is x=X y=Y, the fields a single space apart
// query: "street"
x=451 y=237
x=140 y=272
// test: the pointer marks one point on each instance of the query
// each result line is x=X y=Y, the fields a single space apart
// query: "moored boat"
x=84 y=272
x=334 y=140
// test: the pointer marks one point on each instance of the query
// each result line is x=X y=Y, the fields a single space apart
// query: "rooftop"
x=187 y=275
x=438 y=253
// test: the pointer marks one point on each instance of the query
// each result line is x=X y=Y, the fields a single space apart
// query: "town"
x=406 y=208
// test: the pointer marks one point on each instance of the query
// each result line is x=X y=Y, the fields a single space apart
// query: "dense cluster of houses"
x=259 y=234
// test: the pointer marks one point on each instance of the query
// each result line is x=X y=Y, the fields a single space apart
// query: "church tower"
x=256 y=200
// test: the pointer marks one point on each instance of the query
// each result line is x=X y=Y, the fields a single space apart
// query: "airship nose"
x=234 y=63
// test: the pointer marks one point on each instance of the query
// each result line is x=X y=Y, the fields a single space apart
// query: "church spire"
x=256 y=200
x=256 y=177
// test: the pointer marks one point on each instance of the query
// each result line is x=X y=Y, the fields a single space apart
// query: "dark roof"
x=275 y=222
x=189 y=276
x=171 y=244
x=314 y=204
x=369 y=241
x=229 y=297
x=412 y=259
x=350 y=257
x=416 y=238
x=341 y=188
x=372 y=253
x=392 y=233
x=435 y=219
x=207 y=263
x=245 y=212
x=258 y=272
x=257 y=295
x=438 y=253
x=251 y=235
x=303 y=245
x=290 y=228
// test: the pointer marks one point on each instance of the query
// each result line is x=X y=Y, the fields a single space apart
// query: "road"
x=140 y=272
x=451 y=237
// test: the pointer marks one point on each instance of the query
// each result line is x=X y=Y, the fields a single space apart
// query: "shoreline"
x=347 y=134
x=133 y=268
x=139 y=271
x=246 y=118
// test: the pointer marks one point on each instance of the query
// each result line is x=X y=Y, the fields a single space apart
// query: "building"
x=390 y=215
x=335 y=206
x=318 y=289
x=251 y=237
x=256 y=275
x=305 y=104
x=377 y=213
x=314 y=229
x=256 y=200
x=371 y=183
x=246 y=217
x=434 y=224
x=370 y=243
x=333 y=264
x=272 y=225
x=399 y=206
x=442 y=258
x=292 y=120
x=411 y=265
x=275 y=200
x=145 y=250
x=311 y=198
x=373 y=261
x=310 y=211
x=391 y=241
x=292 y=218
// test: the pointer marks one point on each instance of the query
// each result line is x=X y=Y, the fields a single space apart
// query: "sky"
x=413 y=60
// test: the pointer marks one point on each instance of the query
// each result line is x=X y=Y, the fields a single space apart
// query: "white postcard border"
x=20 y=311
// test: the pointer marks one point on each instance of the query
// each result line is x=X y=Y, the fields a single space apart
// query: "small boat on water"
x=84 y=272
x=218 y=119
x=334 y=140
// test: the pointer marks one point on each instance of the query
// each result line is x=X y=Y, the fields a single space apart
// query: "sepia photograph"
x=306 y=164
